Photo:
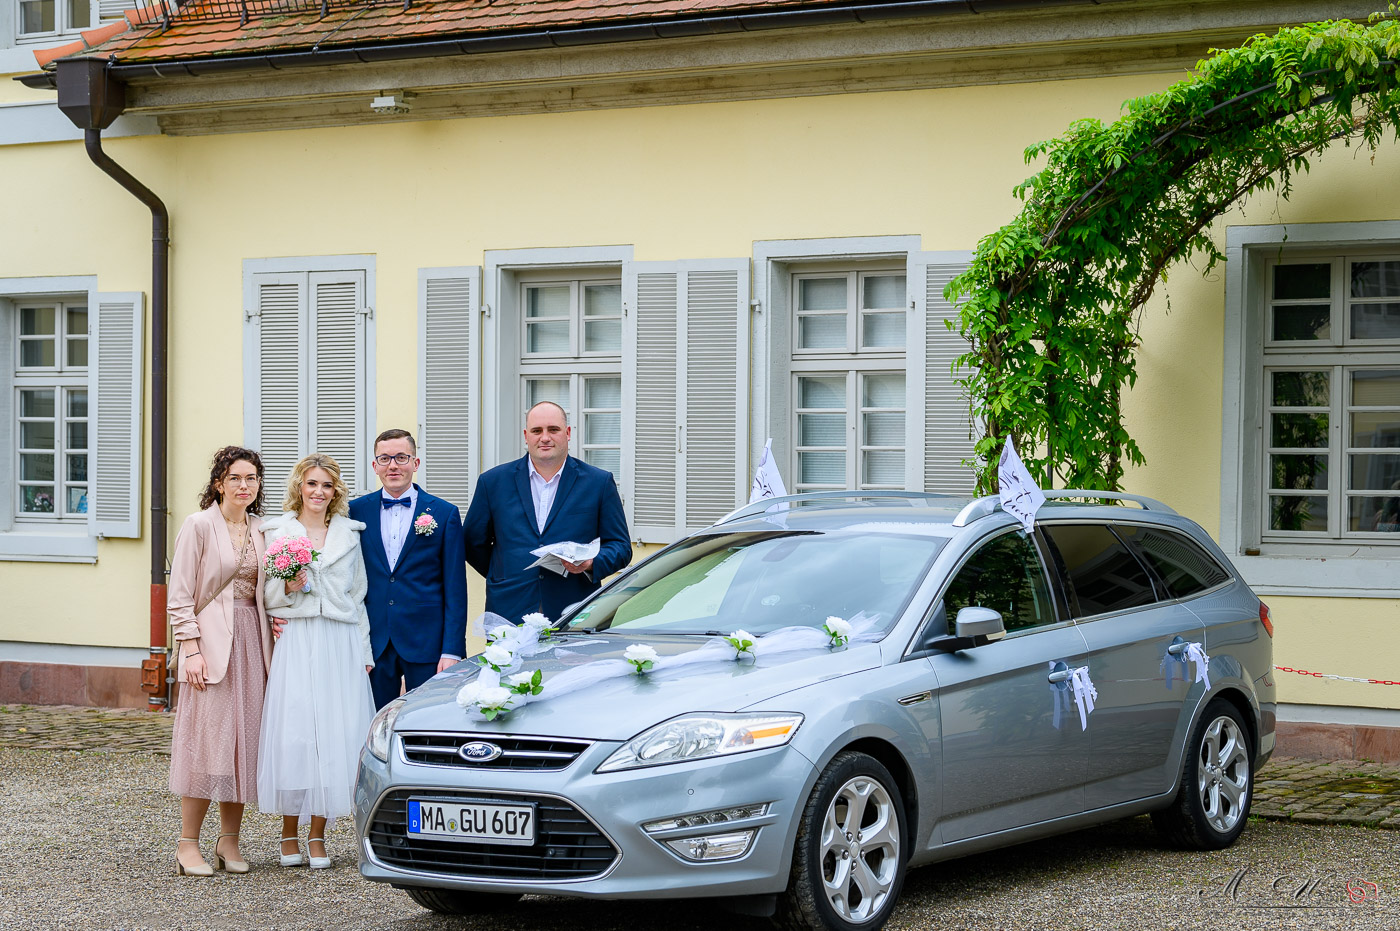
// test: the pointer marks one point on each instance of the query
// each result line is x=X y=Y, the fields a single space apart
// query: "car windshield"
x=763 y=580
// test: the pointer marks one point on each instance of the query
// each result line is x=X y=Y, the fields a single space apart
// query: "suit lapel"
x=527 y=500
x=425 y=506
x=375 y=543
x=568 y=476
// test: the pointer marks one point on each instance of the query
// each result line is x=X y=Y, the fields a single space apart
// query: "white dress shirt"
x=542 y=491
x=395 y=523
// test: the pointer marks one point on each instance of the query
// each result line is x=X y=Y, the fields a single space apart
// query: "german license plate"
x=472 y=822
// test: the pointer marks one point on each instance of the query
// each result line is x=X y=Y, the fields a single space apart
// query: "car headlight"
x=382 y=728
x=697 y=736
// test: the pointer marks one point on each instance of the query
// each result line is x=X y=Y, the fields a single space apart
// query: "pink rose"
x=304 y=557
x=282 y=561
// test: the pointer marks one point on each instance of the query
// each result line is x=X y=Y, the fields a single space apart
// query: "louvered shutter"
x=273 y=420
x=943 y=427
x=448 y=299
x=114 y=9
x=689 y=393
x=338 y=427
x=8 y=421
x=115 y=385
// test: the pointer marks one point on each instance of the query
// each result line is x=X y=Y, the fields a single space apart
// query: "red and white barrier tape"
x=1326 y=675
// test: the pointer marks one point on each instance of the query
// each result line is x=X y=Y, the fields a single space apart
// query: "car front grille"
x=533 y=753
x=567 y=845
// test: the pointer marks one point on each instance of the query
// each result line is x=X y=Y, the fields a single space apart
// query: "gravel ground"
x=87 y=841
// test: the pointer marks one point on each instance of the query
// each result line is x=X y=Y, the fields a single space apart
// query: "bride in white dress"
x=318 y=706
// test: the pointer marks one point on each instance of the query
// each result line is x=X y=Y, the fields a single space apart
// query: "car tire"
x=456 y=902
x=849 y=860
x=1217 y=783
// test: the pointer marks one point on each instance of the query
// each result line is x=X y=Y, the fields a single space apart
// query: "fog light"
x=719 y=816
x=713 y=846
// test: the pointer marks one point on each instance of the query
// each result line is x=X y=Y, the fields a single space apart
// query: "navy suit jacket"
x=501 y=532
x=420 y=604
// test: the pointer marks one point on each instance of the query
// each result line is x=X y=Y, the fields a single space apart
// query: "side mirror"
x=980 y=622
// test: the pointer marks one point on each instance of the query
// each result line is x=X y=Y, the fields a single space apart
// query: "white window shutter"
x=114 y=9
x=9 y=423
x=448 y=299
x=652 y=480
x=940 y=423
x=115 y=380
x=338 y=398
x=274 y=354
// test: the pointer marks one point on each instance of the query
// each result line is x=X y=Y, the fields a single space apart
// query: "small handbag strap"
x=241 y=553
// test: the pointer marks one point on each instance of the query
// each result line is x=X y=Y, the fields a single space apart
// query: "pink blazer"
x=204 y=560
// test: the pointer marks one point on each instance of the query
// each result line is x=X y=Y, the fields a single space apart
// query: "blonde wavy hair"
x=340 y=501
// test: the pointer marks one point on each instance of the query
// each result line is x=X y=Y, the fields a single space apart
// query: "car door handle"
x=1060 y=675
x=1178 y=648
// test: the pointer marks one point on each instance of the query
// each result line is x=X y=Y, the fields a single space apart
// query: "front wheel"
x=1217 y=783
x=848 y=864
x=456 y=902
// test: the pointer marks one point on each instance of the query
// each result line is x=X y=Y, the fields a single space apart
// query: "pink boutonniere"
x=424 y=525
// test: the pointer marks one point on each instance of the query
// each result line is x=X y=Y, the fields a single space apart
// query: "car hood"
x=620 y=708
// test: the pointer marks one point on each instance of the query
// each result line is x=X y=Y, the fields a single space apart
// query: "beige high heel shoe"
x=181 y=870
x=222 y=863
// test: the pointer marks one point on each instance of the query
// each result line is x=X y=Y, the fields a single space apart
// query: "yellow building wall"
x=694 y=181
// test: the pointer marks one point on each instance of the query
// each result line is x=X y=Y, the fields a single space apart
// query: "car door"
x=1137 y=660
x=1012 y=751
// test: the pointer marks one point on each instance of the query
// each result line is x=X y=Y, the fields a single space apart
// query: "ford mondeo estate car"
x=791 y=708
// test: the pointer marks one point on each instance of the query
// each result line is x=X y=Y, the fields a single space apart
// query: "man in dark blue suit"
x=545 y=496
x=413 y=552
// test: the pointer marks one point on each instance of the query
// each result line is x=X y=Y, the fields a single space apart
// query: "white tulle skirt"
x=316 y=715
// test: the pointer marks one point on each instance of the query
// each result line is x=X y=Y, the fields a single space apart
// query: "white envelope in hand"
x=552 y=555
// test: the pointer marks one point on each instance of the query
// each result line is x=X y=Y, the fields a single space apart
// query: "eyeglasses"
x=241 y=479
x=397 y=459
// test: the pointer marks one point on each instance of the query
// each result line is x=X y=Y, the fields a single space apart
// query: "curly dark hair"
x=223 y=461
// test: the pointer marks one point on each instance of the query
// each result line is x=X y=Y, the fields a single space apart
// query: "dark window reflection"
x=1177 y=559
x=1298 y=473
x=1299 y=431
x=1374 y=321
x=1375 y=279
x=1295 y=282
x=1003 y=575
x=1298 y=512
x=1301 y=389
x=1308 y=321
x=1103 y=575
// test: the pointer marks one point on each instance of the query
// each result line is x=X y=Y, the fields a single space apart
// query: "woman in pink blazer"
x=224 y=643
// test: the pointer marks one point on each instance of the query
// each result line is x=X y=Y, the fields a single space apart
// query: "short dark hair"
x=223 y=461
x=397 y=434
x=553 y=404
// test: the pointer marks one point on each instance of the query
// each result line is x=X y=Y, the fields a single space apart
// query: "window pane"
x=821 y=294
x=1375 y=321
x=77 y=500
x=602 y=336
x=602 y=428
x=822 y=392
x=547 y=389
x=1294 y=282
x=77 y=435
x=1310 y=321
x=1299 y=431
x=1375 y=472
x=1375 y=279
x=883 y=331
x=1301 y=389
x=884 y=428
x=602 y=300
x=37 y=321
x=822 y=429
x=79 y=14
x=77 y=469
x=1376 y=389
x=822 y=468
x=602 y=392
x=36 y=16
x=1177 y=559
x=1298 y=473
x=36 y=352
x=36 y=403
x=552 y=301
x=609 y=460
x=1103 y=574
x=883 y=467
x=883 y=292
x=1375 y=515
x=77 y=403
x=1295 y=512
x=77 y=352
x=883 y=390
x=823 y=331
x=1375 y=429
x=552 y=337
x=37 y=499
x=36 y=467
x=36 y=435
x=77 y=323
x=1004 y=575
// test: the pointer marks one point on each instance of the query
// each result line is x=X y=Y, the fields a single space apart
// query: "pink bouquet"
x=288 y=556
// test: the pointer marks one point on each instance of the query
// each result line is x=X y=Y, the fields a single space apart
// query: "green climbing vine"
x=1051 y=302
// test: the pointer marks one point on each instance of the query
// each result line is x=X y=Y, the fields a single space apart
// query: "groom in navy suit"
x=412 y=546
x=545 y=496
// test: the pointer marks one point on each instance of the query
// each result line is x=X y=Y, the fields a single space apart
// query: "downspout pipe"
x=90 y=97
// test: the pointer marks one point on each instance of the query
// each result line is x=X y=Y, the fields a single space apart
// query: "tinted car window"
x=1102 y=573
x=1005 y=575
x=1176 y=558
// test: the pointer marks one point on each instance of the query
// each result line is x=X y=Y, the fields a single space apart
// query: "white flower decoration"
x=535 y=621
x=493 y=697
x=742 y=641
x=641 y=656
x=520 y=678
x=499 y=633
x=468 y=694
x=838 y=630
x=497 y=656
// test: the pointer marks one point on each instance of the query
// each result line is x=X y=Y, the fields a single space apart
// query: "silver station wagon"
x=923 y=680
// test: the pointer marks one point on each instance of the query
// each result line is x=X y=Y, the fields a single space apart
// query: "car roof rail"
x=989 y=504
x=759 y=507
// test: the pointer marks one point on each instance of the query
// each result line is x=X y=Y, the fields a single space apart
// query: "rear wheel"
x=1217 y=783
x=456 y=902
x=848 y=864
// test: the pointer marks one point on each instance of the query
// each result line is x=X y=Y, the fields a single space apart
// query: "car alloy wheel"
x=1217 y=783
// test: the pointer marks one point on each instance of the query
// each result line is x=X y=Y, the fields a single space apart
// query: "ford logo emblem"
x=479 y=751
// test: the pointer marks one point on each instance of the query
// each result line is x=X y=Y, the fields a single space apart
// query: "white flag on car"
x=767 y=481
x=1020 y=496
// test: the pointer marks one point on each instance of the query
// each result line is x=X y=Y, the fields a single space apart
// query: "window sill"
x=1339 y=576
x=47 y=546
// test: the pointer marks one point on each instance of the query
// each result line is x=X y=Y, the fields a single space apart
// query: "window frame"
x=62 y=378
x=1055 y=583
x=61 y=15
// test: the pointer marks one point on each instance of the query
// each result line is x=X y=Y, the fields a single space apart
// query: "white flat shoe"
x=293 y=859
x=317 y=863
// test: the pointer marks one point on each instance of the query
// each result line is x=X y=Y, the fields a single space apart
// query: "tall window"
x=51 y=406
x=848 y=379
x=1332 y=400
x=37 y=17
x=571 y=354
